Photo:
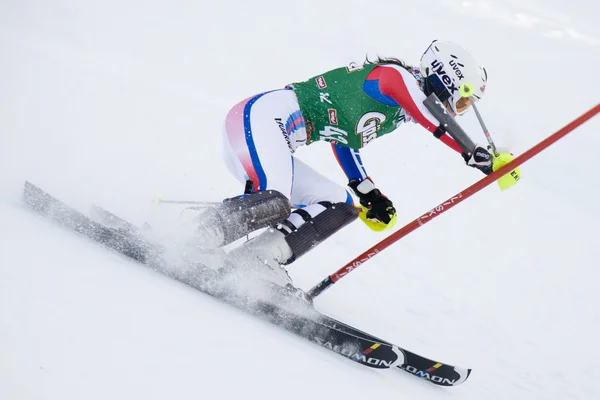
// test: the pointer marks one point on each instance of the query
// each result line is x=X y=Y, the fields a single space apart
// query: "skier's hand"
x=479 y=158
x=378 y=211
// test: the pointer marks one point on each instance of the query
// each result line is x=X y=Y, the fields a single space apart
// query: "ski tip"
x=463 y=373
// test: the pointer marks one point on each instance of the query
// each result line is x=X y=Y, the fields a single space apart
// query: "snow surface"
x=116 y=102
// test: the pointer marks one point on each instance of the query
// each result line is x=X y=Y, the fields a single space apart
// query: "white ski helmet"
x=447 y=67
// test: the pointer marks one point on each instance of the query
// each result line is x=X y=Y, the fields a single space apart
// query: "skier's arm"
x=399 y=85
x=396 y=84
x=378 y=212
x=350 y=162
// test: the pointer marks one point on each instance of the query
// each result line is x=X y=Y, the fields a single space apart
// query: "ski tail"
x=41 y=202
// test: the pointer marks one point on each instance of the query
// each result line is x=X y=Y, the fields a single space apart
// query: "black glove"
x=479 y=158
x=380 y=207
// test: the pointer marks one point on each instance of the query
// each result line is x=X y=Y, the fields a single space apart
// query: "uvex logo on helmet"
x=456 y=68
x=438 y=68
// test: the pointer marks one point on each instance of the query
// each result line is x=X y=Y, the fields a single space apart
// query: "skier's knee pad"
x=316 y=229
x=239 y=216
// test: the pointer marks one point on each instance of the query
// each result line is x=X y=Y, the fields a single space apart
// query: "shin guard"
x=316 y=229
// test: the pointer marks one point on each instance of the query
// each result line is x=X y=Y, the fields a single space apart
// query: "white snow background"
x=117 y=102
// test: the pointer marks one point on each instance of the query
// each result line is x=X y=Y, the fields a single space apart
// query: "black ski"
x=280 y=308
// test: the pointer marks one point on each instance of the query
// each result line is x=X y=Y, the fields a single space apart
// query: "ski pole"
x=204 y=204
x=448 y=204
x=465 y=91
x=188 y=202
x=508 y=180
x=485 y=130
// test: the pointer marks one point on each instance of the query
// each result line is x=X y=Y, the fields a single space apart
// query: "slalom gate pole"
x=448 y=204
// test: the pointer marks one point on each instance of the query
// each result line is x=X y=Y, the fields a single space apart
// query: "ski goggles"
x=462 y=104
x=433 y=84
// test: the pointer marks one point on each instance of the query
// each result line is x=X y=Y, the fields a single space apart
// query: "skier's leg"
x=325 y=205
x=330 y=208
x=257 y=147
x=310 y=187
x=260 y=135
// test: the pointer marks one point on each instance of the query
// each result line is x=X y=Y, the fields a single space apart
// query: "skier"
x=348 y=107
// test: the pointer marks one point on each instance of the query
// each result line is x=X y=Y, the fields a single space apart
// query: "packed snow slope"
x=117 y=102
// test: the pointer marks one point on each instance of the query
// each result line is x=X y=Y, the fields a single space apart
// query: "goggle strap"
x=433 y=84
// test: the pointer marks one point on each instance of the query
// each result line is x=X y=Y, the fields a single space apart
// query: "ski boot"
x=281 y=245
